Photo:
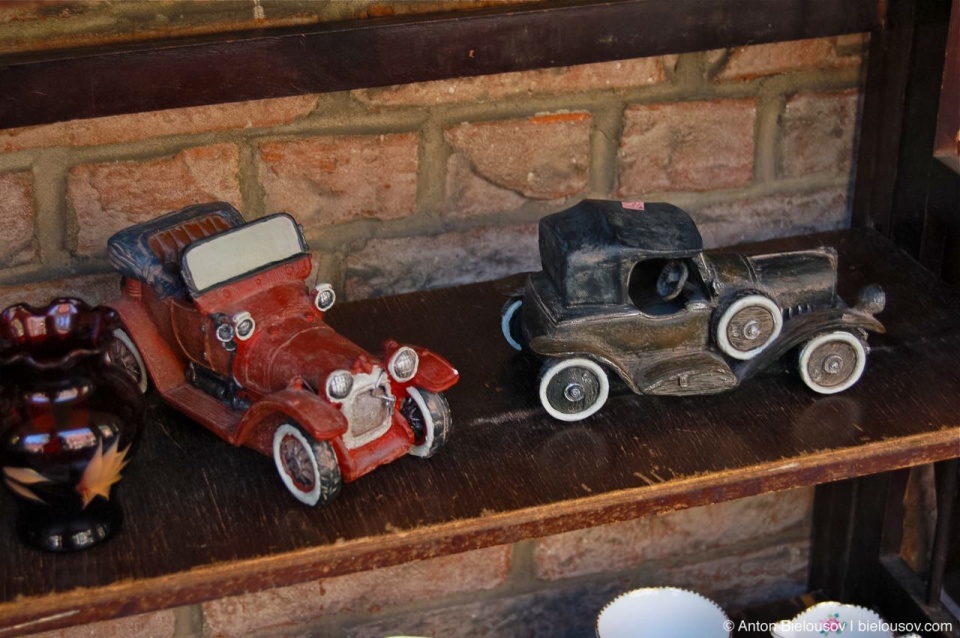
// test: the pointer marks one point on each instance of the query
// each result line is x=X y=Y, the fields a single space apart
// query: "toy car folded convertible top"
x=626 y=290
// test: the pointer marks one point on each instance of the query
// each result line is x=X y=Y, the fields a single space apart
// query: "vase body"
x=69 y=421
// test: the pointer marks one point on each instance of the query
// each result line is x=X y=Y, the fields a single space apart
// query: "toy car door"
x=672 y=330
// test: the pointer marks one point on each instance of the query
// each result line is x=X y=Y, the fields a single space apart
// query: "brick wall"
x=441 y=183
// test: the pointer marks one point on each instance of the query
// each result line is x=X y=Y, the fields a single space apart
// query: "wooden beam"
x=900 y=594
x=847 y=536
x=378 y=52
x=947 y=143
x=901 y=190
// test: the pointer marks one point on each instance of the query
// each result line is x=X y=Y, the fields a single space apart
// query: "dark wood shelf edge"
x=252 y=65
x=127 y=598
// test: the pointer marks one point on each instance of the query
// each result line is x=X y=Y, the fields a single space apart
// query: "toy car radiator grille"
x=794 y=311
x=368 y=408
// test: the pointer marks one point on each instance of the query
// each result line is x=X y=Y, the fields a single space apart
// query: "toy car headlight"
x=871 y=299
x=325 y=297
x=339 y=384
x=225 y=332
x=244 y=325
x=403 y=364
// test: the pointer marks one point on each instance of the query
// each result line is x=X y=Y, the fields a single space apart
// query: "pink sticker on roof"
x=633 y=205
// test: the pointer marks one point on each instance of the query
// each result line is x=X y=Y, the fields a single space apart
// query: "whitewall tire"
x=748 y=326
x=573 y=389
x=308 y=468
x=832 y=362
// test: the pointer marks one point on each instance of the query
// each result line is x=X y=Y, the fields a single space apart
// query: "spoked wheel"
x=124 y=354
x=573 y=389
x=429 y=416
x=510 y=323
x=832 y=362
x=748 y=325
x=307 y=467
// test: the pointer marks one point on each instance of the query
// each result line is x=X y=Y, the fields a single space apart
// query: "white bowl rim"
x=826 y=604
x=650 y=590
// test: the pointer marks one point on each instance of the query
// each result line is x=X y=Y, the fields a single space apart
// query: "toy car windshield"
x=241 y=251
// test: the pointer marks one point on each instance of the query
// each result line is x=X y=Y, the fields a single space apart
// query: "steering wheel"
x=671 y=280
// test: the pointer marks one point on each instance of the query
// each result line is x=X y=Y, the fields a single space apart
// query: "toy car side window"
x=662 y=286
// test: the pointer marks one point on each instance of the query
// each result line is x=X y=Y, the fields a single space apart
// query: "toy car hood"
x=812 y=276
x=295 y=347
x=291 y=339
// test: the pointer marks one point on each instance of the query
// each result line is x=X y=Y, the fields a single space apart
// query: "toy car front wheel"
x=748 y=325
x=307 y=467
x=510 y=323
x=429 y=416
x=832 y=362
x=573 y=389
x=123 y=353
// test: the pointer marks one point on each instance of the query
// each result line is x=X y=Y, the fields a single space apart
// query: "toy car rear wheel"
x=429 y=416
x=307 y=467
x=573 y=389
x=748 y=325
x=510 y=323
x=832 y=362
x=123 y=353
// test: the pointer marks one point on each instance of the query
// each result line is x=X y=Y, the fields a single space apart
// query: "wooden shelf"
x=205 y=520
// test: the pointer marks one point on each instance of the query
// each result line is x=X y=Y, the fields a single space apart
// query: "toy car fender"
x=320 y=419
x=434 y=373
x=164 y=369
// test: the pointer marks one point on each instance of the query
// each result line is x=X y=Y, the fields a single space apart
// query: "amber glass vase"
x=69 y=421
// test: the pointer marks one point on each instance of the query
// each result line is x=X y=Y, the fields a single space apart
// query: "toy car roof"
x=588 y=250
x=150 y=252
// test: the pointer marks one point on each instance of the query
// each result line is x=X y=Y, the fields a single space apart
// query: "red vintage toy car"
x=217 y=314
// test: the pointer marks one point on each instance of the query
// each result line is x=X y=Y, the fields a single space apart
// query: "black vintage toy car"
x=627 y=290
